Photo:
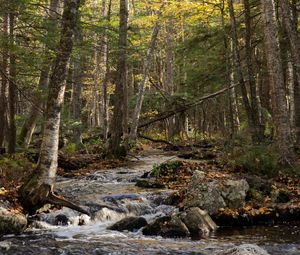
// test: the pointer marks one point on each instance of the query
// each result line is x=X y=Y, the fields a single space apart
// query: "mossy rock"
x=12 y=223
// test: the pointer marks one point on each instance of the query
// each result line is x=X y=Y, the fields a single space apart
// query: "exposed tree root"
x=56 y=200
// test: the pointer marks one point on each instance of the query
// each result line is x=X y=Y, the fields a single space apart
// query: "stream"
x=112 y=195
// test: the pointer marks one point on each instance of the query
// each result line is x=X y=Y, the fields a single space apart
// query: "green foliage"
x=70 y=148
x=166 y=168
x=260 y=159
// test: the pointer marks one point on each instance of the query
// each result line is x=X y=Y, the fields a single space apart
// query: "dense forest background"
x=177 y=71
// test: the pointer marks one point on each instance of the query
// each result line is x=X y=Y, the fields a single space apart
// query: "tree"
x=116 y=127
x=250 y=107
x=38 y=190
x=142 y=84
x=30 y=122
x=275 y=71
x=293 y=38
x=4 y=80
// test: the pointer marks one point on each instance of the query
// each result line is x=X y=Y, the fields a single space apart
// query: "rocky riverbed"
x=112 y=195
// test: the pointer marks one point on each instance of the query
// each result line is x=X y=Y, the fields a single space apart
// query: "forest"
x=121 y=119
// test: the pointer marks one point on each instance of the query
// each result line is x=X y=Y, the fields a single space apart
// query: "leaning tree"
x=38 y=190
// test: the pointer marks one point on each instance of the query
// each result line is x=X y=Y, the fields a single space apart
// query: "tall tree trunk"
x=106 y=12
x=146 y=69
x=169 y=75
x=232 y=103
x=4 y=81
x=36 y=109
x=258 y=133
x=239 y=71
x=12 y=89
x=39 y=189
x=77 y=89
x=274 y=63
x=293 y=38
x=115 y=148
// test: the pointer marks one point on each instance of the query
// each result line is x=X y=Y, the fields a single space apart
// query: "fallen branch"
x=156 y=140
x=167 y=114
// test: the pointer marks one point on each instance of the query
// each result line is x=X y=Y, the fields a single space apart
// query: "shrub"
x=165 y=168
x=260 y=159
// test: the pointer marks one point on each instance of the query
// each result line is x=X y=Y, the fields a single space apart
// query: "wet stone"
x=245 y=249
x=167 y=226
x=129 y=223
x=61 y=220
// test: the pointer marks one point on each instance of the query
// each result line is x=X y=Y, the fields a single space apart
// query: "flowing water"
x=112 y=195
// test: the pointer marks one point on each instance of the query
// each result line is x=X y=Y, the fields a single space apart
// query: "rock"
x=149 y=184
x=234 y=193
x=281 y=196
x=5 y=245
x=245 y=249
x=204 y=194
x=11 y=222
x=167 y=226
x=129 y=223
x=61 y=220
x=213 y=194
x=198 y=222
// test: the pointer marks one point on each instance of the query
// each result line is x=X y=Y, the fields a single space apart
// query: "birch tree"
x=38 y=190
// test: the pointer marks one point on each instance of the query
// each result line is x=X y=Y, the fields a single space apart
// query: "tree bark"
x=106 y=12
x=12 y=89
x=258 y=133
x=240 y=76
x=77 y=89
x=293 y=38
x=115 y=149
x=38 y=190
x=4 y=81
x=274 y=64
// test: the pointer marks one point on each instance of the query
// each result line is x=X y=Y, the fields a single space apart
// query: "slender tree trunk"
x=106 y=12
x=280 y=112
x=232 y=104
x=39 y=189
x=36 y=109
x=259 y=129
x=4 y=81
x=239 y=71
x=115 y=148
x=77 y=89
x=12 y=89
x=294 y=39
x=169 y=74
x=147 y=66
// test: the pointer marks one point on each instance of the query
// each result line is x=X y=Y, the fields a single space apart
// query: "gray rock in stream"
x=129 y=223
x=11 y=222
x=167 y=226
x=213 y=194
x=245 y=249
x=198 y=222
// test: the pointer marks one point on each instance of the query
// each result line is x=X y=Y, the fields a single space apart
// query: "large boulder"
x=212 y=194
x=129 y=223
x=11 y=221
x=167 y=226
x=198 y=222
x=245 y=249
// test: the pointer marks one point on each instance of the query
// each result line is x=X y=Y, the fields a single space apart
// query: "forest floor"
x=269 y=198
